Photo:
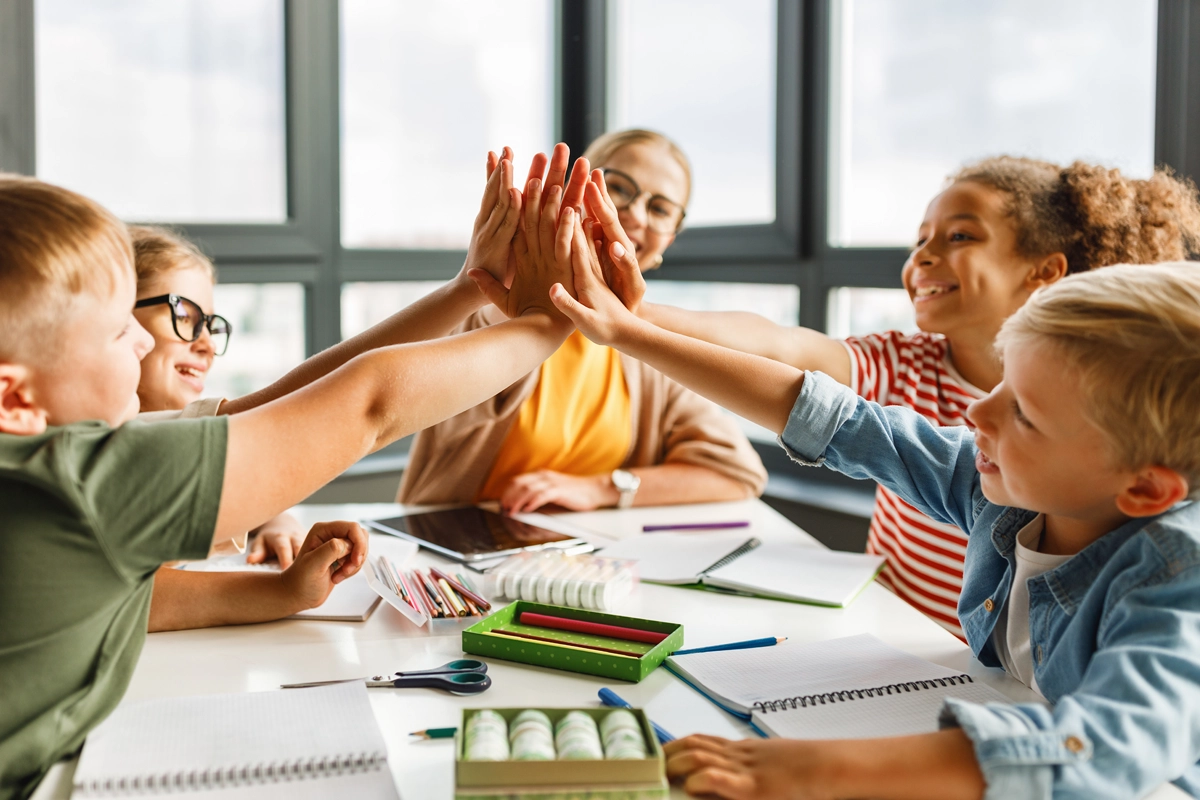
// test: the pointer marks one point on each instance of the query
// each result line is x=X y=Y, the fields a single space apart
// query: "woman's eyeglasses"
x=189 y=320
x=663 y=215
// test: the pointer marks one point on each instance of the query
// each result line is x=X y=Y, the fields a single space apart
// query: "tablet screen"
x=469 y=533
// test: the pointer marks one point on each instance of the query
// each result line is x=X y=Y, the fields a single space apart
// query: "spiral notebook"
x=854 y=687
x=296 y=743
x=796 y=572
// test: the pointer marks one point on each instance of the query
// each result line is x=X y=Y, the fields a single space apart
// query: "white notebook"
x=320 y=742
x=802 y=573
x=854 y=687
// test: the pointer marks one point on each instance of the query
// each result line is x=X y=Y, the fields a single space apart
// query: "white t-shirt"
x=1011 y=636
x=204 y=407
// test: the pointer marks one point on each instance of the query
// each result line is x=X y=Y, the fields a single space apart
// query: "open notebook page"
x=208 y=732
x=799 y=572
x=902 y=714
x=675 y=557
x=740 y=678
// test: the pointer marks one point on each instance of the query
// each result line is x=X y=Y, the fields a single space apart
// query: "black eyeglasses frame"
x=206 y=320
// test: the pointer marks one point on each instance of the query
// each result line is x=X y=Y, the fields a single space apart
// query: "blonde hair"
x=1132 y=336
x=55 y=245
x=157 y=251
x=605 y=146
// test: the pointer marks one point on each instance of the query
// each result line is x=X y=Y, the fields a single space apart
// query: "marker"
x=436 y=733
x=695 y=526
x=610 y=698
x=770 y=641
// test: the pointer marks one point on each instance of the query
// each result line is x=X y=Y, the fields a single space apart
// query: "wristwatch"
x=627 y=484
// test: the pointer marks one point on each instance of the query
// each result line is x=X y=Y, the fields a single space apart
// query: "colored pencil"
x=548 y=640
x=770 y=641
x=465 y=581
x=695 y=526
x=594 y=628
x=436 y=733
x=422 y=594
x=458 y=587
x=459 y=608
x=441 y=597
x=610 y=698
x=410 y=596
x=434 y=595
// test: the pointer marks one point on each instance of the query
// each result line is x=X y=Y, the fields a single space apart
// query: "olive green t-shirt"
x=87 y=514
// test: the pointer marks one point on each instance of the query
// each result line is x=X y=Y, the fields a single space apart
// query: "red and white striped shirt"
x=924 y=557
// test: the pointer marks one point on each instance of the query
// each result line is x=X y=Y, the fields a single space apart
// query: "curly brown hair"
x=1094 y=215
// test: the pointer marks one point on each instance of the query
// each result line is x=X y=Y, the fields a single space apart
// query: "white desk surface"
x=260 y=657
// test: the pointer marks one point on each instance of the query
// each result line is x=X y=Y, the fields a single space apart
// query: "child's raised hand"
x=332 y=552
x=542 y=250
x=751 y=769
x=597 y=312
x=497 y=221
x=618 y=255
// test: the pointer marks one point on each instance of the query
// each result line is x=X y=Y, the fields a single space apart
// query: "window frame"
x=307 y=248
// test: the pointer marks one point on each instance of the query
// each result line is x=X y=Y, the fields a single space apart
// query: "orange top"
x=578 y=419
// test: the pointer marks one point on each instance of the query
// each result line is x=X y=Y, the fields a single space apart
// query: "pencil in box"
x=594 y=628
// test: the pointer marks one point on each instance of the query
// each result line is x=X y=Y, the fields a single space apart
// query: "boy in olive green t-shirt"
x=91 y=504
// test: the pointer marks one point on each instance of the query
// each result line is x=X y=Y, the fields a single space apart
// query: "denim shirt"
x=1114 y=630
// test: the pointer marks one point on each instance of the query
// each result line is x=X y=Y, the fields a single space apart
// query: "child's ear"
x=1153 y=491
x=1049 y=270
x=19 y=414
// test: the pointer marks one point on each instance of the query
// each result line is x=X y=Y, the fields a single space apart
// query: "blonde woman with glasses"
x=593 y=428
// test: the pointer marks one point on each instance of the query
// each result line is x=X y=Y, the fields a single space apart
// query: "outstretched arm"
x=279 y=453
x=434 y=315
x=801 y=348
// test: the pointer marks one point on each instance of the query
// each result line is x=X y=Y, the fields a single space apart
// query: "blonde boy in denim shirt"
x=1089 y=450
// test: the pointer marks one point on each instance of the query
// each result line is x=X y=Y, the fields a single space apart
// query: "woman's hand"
x=531 y=491
x=496 y=223
x=281 y=538
x=543 y=254
x=332 y=552
x=618 y=255
x=752 y=769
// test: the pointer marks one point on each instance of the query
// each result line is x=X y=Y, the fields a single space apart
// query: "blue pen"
x=767 y=642
x=609 y=698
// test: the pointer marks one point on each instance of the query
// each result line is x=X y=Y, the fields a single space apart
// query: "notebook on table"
x=849 y=688
x=296 y=743
x=735 y=562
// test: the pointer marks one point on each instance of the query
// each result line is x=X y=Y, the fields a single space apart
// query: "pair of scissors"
x=463 y=676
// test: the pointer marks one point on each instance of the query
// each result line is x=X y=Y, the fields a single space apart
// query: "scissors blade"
x=318 y=683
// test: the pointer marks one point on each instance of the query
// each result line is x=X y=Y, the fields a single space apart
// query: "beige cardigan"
x=450 y=461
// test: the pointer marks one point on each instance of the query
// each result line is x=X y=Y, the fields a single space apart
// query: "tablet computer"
x=473 y=534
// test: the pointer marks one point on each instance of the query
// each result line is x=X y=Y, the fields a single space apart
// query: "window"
x=164 y=111
x=703 y=73
x=365 y=304
x=922 y=87
x=267 y=340
x=778 y=303
x=427 y=90
x=856 y=312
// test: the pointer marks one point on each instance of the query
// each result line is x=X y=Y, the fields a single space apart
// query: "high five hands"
x=556 y=248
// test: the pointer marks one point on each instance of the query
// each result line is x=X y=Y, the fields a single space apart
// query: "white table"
x=261 y=657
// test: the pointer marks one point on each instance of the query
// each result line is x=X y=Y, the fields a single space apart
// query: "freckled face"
x=656 y=172
x=965 y=275
x=174 y=372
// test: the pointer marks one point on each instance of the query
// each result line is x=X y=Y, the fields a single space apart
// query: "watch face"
x=625 y=481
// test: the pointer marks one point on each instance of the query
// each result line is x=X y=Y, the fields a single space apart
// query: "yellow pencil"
x=459 y=608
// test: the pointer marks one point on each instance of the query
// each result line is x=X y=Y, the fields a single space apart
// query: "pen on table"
x=746 y=645
x=610 y=698
x=435 y=733
x=695 y=526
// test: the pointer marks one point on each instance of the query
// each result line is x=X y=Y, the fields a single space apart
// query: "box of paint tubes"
x=545 y=753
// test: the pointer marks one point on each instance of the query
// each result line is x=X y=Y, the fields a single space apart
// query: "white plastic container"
x=579 y=581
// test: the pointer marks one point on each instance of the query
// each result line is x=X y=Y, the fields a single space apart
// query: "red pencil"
x=594 y=628
x=563 y=641
x=464 y=591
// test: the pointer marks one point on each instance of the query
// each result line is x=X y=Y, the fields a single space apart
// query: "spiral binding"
x=735 y=555
x=804 y=701
x=238 y=775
